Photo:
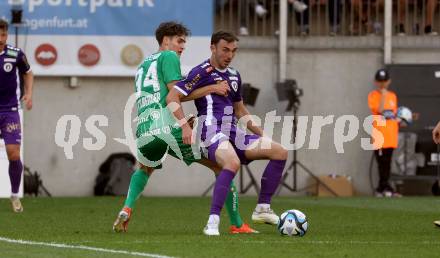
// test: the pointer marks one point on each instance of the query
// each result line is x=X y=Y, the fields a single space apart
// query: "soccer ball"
x=293 y=223
x=405 y=114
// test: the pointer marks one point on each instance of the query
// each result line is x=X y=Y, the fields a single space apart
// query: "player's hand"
x=187 y=134
x=436 y=133
x=222 y=88
x=27 y=99
x=383 y=91
x=190 y=120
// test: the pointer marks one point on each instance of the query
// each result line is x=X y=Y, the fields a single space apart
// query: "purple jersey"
x=213 y=106
x=13 y=62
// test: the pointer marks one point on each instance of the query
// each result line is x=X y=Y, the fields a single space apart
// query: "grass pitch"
x=172 y=227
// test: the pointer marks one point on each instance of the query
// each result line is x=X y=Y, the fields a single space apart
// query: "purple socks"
x=221 y=189
x=270 y=180
x=15 y=169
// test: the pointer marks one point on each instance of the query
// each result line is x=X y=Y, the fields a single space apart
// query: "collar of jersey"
x=222 y=71
x=219 y=70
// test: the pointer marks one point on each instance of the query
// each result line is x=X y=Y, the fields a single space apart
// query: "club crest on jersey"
x=7 y=67
x=234 y=85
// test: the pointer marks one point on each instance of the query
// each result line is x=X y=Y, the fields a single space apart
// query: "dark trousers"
x=383 y=157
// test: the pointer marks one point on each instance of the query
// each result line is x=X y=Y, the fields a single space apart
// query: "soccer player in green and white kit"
x=157 y=131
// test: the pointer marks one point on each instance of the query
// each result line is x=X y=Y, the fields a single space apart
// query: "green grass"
x=352 y=227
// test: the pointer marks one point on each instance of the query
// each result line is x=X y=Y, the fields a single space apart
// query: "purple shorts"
x=10 y=127
x=213 y=135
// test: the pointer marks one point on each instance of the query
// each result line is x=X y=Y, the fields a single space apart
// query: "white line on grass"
x=81 y=247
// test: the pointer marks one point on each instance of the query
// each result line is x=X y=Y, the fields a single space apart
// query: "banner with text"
x=103 y=37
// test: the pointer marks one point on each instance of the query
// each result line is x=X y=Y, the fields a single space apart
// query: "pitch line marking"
x=81 y=247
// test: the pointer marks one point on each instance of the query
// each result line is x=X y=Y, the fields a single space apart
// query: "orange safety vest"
x=390 y=131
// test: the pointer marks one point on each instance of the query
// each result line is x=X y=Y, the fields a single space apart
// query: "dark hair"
x=3 y=25
x=170 y=29
x=219 y=35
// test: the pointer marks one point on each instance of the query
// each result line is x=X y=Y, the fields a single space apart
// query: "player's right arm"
x=196 y=79
x=174 y=99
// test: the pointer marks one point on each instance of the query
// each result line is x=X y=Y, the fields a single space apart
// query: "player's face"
x=223 y=52
x=3 y=39
x=176 y=44
x=383 y=84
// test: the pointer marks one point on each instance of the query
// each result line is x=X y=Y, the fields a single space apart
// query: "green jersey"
x=152 y=78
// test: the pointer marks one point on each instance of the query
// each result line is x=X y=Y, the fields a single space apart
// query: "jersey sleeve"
x=170 y=67
x=22 y=63
x=373 y=103
x=236 y=97
x=196 y=78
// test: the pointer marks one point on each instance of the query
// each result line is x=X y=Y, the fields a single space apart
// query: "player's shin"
x=138 y=182
x=220 y=193
x=270 y=180
x=15 y=170
x=269 y=183
x=231 y=204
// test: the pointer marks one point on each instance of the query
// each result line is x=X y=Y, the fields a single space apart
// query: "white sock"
x=262 y=206
x=14 y=195
x=214 y=219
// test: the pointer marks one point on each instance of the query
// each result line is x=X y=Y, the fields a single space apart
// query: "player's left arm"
x=221 y=88
x=28 y=77
x=240 y=111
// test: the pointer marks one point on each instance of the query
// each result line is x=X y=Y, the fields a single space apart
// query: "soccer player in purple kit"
x=13 y=63
x=226 y=144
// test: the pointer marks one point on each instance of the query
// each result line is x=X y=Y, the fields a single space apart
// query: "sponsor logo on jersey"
x=166 y=129
x=46 y=54
x=155 y=115
x=10 y=60
x=7 y=67
x=89 y=55
x=233 y=78
x=12 y=53
x=194 y=81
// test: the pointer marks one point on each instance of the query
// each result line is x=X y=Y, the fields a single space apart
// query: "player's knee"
x=233 y=164
x=147 y=170
x=14 y=155
x=280 y=153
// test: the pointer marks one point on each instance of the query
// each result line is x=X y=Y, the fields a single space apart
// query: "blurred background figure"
x=383 y=103
x=259 y=9
x=428 y=5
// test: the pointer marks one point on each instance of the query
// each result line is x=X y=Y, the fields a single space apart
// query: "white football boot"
x=264 y=215
x=211 y=228
x=16 y=204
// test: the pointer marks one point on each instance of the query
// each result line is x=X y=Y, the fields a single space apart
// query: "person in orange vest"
x=383 y=102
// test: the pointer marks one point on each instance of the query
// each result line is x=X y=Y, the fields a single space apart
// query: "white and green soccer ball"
x=293 y=223
x=405 y=114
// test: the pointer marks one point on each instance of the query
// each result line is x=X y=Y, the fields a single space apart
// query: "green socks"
x=231 y=204
x=137 y=184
